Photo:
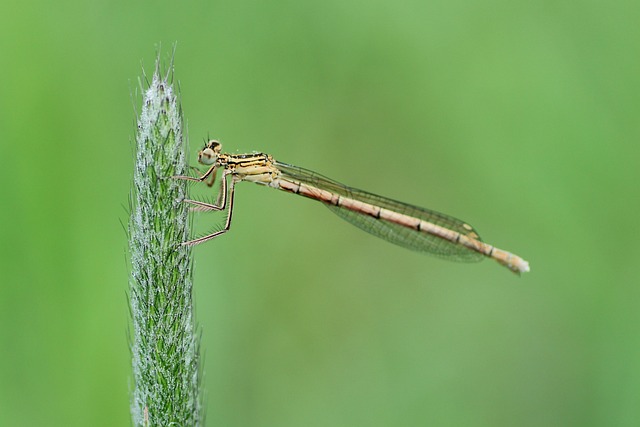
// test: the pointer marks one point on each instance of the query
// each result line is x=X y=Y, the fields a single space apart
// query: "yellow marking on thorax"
x=256 y=168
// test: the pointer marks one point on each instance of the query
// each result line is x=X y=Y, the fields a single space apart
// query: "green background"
x=519 y=117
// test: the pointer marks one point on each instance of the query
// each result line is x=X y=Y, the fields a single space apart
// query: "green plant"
x=164 y=340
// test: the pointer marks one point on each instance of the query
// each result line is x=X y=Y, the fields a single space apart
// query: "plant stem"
x=164 y=342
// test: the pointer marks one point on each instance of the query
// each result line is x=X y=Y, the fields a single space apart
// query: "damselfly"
x=405 y=225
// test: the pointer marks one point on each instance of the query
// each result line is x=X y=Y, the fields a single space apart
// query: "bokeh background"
x=519 y=117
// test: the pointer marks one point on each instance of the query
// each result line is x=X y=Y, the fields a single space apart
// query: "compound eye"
x=207 y=156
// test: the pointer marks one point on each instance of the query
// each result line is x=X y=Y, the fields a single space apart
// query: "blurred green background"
x=519 y=117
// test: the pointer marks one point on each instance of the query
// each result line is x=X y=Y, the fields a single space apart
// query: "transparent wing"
x=403 y=236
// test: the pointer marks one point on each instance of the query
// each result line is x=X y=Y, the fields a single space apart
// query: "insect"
x=405 y=225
